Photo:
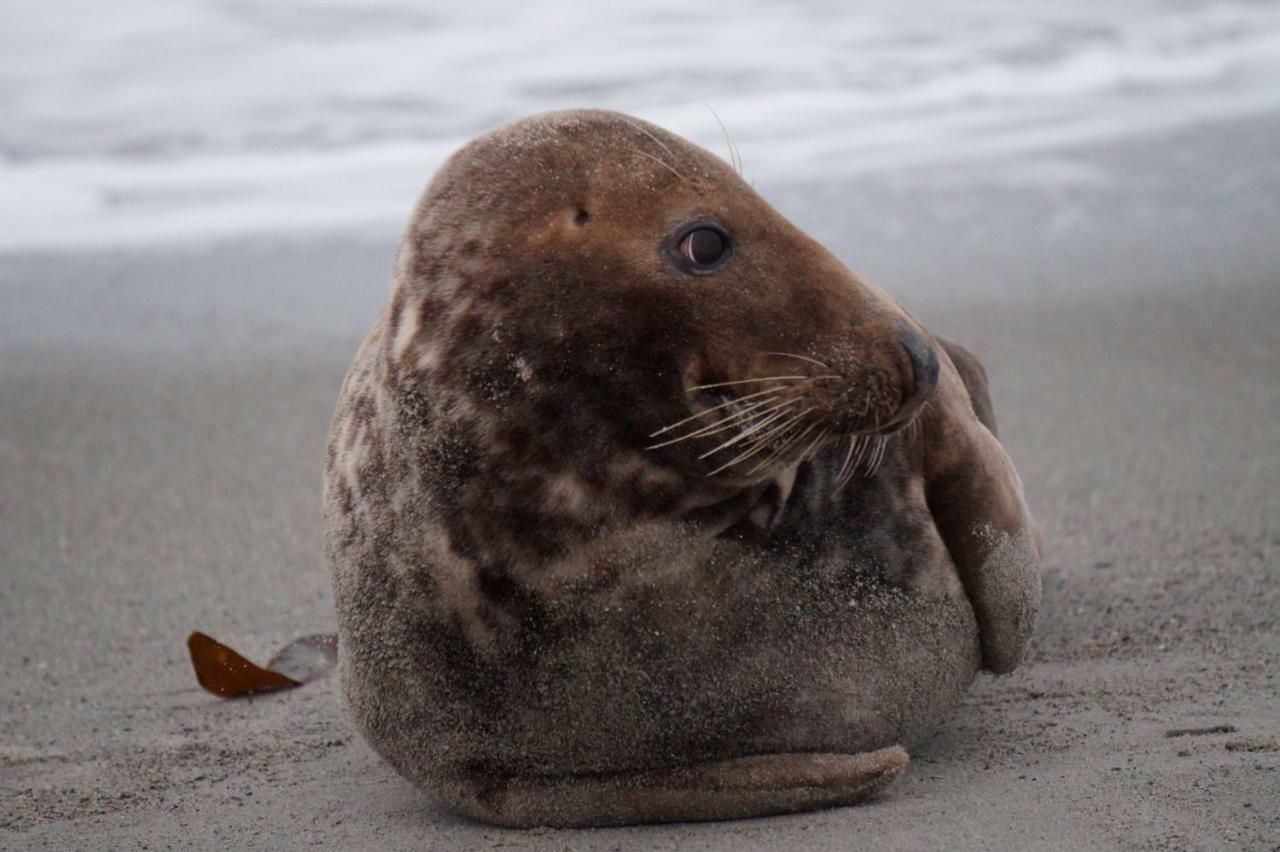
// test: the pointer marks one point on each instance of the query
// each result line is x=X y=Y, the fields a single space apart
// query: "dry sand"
x=161 y=426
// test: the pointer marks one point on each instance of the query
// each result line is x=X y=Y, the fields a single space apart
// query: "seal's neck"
x=521 y=502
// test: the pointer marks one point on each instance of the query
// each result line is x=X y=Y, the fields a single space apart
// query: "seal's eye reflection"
x=704 y=247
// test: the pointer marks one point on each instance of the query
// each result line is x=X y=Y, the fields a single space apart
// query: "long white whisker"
x=877 y=456
x=853 y=442
x=746 y=382
x=737 y=413
x=749 y=432
x=752 y=449
x=846 y=473
x=916 y=429
x=734 y=159
x=816 y=441
x=844 y=480
x=729 y=421
x=869 y=470
x=733 y=401
x=846 y=476
x=662 y=163
x=655 y=139
x=776 y=431
x=786 y=445
x=863 y=443
x=782 y=448
x=801 y=357
x=745 y=417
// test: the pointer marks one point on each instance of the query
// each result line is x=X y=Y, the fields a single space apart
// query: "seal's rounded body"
x=627 y=524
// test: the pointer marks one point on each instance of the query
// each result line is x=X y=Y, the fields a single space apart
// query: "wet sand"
x=162 y=417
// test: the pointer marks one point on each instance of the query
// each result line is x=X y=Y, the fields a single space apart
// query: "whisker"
x=789 y=442
x=755 y=447
x=846 y=473
x=801 y=357
x=662 y=163
x=853 y=442
x=846 y=476
x=877 y=456
x=782 y=448
x=746 y=382
x=751 y=431
x=805 y=455
x=777 y=431
x=655 y=139
x=863 y=443
x=869 y=470
x=734 y=401
x=751 y=412
x=735 y=159
x=729 y=421
x=917 y=424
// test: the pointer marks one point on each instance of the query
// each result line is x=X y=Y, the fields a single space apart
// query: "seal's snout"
x=924 y=372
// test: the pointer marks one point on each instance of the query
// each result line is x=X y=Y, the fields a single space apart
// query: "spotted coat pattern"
x=524 y=590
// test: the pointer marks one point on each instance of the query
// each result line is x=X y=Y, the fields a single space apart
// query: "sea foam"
x=145 y=121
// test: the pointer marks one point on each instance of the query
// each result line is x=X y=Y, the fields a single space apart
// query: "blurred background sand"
x=198 y=211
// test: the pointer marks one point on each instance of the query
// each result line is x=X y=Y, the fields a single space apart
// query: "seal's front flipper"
x=976 y=500
x=758 y=785
x=974 y=376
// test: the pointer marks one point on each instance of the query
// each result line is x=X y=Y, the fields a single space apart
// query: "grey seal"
x=641 y=506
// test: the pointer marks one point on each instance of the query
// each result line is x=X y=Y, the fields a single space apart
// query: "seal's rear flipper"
x=754 y=786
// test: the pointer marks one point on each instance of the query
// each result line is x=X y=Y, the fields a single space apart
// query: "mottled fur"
x=544 y=622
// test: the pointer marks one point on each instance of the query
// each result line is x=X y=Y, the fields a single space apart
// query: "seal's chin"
x=747 y=508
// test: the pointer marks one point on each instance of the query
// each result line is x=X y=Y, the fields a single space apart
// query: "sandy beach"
x=162 y=416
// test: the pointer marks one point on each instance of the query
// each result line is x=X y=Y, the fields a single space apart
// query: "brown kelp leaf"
x=307 y=658
x=226 y=674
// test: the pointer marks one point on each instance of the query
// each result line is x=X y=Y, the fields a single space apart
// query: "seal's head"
x=587 y=266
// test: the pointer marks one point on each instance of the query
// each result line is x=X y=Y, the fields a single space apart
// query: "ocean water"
x=140 y=122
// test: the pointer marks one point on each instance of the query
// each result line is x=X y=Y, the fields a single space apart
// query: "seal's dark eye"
x=704 y=247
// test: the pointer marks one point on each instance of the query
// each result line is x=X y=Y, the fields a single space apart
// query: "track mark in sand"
x=14 y=756
x=1253 y=744
x=1200 y=732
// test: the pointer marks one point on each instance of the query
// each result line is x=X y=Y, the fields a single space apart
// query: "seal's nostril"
x=924 y=366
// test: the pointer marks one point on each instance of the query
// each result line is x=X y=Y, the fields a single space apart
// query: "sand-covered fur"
x=548 y=616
